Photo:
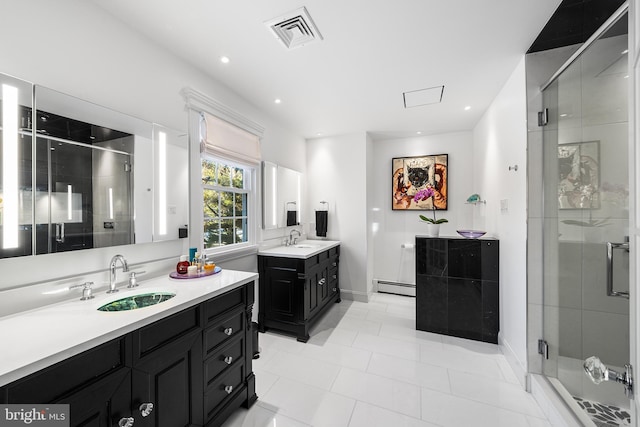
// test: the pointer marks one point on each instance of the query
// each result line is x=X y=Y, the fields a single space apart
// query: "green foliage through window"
x=225 y=207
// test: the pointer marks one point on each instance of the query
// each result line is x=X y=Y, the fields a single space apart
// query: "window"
x=224 y=212
x=225 y=189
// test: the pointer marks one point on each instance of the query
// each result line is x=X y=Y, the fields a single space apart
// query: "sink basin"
x=137 y=301
x=305 y=246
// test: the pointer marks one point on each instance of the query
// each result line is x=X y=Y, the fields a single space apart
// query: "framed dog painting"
x=412 y=174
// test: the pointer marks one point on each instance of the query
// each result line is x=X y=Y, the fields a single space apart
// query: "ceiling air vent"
x=294 y=28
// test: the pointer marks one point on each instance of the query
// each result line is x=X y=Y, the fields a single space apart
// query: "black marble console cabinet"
x=457 y=287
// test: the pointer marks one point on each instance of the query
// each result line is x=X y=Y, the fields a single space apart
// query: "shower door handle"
x=610 y=247
x=60 y=232
x=598 y=372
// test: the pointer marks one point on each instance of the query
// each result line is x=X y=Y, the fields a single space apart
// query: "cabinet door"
x=102 y=404
x=171 y=379
x=280 y=295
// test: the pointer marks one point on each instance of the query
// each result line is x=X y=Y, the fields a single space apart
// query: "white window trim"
x=198 y=103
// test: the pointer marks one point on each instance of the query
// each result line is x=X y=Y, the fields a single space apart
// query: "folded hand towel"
x=322 y=217
x=292 y=218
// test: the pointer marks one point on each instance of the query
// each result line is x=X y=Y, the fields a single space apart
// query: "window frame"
x=248 y=189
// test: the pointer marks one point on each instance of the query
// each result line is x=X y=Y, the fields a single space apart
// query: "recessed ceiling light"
x=563 y=115
x=319 y=134
x=277 y=101
x=467 y=108
x=419 y=132
x=224 y=59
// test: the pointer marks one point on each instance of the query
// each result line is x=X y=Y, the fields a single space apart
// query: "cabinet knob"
x=228 y=360
x=335 y=289
x=228 y=331
x=322 y=281
x=145 y=409
x=335 y=264
x=228 y=389
x=126 y=422
x=335 y=276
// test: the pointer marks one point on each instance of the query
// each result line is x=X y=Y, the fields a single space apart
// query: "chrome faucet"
x=112 y=271
x=292 y=240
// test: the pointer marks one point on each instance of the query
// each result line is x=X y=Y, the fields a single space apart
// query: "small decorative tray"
x=175 y=275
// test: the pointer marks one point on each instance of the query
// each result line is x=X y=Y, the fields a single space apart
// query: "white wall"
x=74 y=47
x=392 y=228
x=337 y=173
x=500 y=141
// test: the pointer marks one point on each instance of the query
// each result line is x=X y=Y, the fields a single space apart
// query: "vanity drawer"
x=223 y=331
x=224 y=303
x=222 y=390
x=224 y=359
x=149 y=338
x=69 y=376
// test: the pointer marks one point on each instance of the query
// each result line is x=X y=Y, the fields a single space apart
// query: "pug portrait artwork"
x=412 y=174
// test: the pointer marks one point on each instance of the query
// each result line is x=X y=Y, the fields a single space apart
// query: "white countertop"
x=303 y=250
x=38 y=338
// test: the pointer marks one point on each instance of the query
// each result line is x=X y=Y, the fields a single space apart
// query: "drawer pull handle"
x=228 y=360
x=335 y=276
x=126 y=422
x=228 y=331
x=335 y=289
x=335 y=264
x=145 y=409
x=322 y=281
x=228 y=389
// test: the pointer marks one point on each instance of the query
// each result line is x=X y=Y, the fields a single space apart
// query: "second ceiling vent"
x=295 y=28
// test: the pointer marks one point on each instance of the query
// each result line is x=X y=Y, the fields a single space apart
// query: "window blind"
x=221 y=138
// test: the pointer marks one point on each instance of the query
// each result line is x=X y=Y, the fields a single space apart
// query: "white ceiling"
x=372 y=52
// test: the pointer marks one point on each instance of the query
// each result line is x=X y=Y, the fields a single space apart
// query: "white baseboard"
x=354 y=295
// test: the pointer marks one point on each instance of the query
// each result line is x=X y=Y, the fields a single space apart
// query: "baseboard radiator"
x=399 y=288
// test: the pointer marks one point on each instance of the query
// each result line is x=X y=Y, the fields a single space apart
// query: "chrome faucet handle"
x=87 y=292
x=133 y=279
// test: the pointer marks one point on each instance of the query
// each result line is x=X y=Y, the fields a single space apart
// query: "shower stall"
x=579 y=220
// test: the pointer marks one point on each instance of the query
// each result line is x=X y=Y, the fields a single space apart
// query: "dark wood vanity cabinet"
x=194 y=366
x=295 y=292
x=457 y=287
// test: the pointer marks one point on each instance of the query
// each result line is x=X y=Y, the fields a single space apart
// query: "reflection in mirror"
x=281 y=196
x=75 y=179
x=84 y=175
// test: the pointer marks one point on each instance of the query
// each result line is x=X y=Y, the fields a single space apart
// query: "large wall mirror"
x=281 y=196
x=76 y=175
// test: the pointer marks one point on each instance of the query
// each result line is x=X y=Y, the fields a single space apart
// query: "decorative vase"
x=433 y=230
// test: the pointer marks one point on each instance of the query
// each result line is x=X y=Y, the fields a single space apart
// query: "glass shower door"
x=586 y=225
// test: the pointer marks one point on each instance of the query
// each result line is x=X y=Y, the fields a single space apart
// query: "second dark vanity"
x=297 y=285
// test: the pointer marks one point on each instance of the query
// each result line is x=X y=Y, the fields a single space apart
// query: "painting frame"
x=412 y=174
x=579 y=175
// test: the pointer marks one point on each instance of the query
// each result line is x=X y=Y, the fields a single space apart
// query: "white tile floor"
x=366 y=366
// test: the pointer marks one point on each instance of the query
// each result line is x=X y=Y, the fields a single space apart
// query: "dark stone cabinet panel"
x=194 y=366
x=294 y=292
x=457 y=287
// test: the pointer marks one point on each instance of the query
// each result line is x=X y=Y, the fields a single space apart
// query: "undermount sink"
x=134 y=302
x=305 y=246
